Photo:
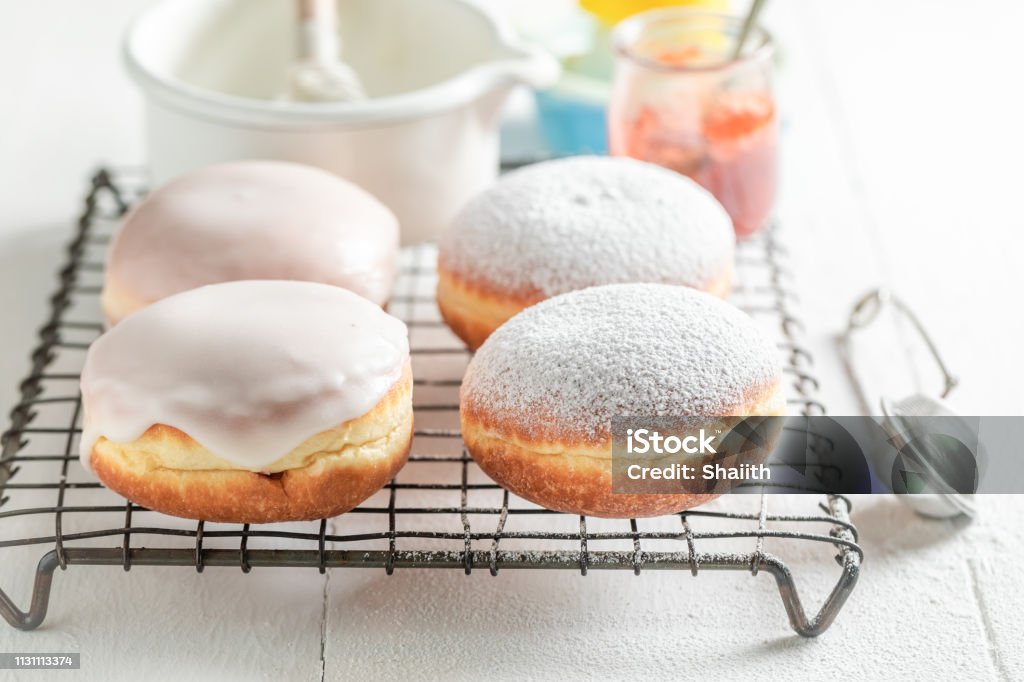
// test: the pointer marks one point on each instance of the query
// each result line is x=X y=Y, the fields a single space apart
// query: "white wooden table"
x=900 y=167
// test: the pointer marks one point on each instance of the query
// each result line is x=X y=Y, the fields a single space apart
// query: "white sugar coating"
x=569 y=364
x=572 y=223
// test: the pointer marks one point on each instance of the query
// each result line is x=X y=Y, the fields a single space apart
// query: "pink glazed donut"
x=248 y=220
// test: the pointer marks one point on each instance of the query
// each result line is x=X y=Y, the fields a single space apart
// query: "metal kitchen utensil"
x=748 y=24
x=935 y=466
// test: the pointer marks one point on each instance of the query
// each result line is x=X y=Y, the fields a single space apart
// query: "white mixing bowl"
x=438 y=72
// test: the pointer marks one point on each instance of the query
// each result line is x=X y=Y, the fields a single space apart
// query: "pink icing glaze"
x=250 y=370
x=256 y=220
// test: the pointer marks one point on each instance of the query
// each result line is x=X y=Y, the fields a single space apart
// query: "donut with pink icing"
x=249 y=402
x=251 y=220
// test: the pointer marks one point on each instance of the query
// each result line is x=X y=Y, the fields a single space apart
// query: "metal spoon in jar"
x=748 y=25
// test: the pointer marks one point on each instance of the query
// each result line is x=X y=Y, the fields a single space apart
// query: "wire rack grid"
x=439 y=512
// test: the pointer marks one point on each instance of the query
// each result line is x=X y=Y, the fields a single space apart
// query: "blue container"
x=573 y=116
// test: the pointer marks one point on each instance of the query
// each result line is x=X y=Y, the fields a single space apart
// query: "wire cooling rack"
x=439 y=512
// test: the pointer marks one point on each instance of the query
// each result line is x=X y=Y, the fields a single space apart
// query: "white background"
x=902 y=166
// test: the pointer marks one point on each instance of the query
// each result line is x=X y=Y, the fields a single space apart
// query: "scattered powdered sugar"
x=569 y=364
x=569 y=224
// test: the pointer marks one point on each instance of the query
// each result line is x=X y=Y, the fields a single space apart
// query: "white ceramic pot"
x=438 y=72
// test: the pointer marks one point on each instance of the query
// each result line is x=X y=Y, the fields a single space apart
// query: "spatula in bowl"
x=319 y=74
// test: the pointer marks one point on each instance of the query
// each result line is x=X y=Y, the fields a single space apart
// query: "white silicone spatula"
x=319 y=74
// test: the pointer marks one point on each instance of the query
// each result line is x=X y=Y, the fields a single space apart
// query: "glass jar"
x=682 y=100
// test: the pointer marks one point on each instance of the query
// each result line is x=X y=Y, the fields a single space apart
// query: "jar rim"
x=760 y=44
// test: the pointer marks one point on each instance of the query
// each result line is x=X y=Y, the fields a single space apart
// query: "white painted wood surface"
x=901 y=164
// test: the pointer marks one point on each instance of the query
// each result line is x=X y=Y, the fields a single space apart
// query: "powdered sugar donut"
x=564 y=225
x=251 y=220
x=539 y=396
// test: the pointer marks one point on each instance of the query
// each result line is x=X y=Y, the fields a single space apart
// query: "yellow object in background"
x=613 y=11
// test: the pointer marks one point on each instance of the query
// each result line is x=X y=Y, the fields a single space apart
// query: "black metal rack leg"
x=36 y=613
x=848 y=558
x=791 y=598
